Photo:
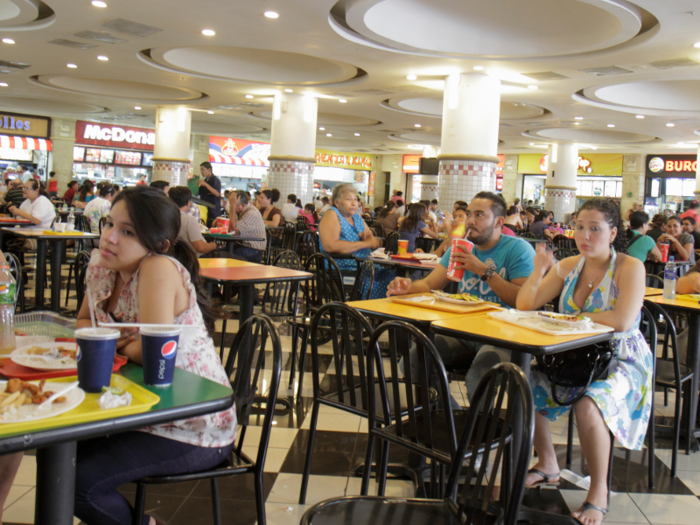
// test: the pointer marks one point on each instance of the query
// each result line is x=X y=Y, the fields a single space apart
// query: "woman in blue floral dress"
x=608 y=286
x=344 y=231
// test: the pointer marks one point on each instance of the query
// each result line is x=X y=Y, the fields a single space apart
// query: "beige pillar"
x=171 y=154
x=510 y=178
x=633 y=178
x=61 y=159
x=560 y=188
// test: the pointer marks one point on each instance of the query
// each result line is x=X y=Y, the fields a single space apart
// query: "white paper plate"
x=31 y=413
x=535 y=322
x=21 y=357
x=446 y=299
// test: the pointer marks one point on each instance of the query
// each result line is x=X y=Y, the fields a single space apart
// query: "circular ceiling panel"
x=45 y=107
x=223 y=128
x=602 y=136
x=433 y=107
x=115 y=87
x=496 y=29
x=329 y=119
x=417 y=137
x=245 y=64
x=671 y=95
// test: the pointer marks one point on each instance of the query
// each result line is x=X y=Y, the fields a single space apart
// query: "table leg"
x=246 y=293
x=690 y=403
x=40 y=273
x=55 y=484
x=57 y=250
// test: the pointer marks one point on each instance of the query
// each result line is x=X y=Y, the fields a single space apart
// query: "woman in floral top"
x=142 y=274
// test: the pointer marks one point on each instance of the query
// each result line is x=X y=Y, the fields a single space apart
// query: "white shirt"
x=432 y=216
x=41 y=209
x=290 y=212
x=324 y=209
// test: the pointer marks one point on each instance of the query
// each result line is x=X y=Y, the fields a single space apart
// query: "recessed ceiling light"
x=289 y=90
x=670 y=124
x=137 y=108
x=322 y=129
x=208 y=32
x=478 y=68
x=249 y=96
x=696 y=44
x=3 y=84
x=578 y=118
x=271 y=14
x=8 y=41
x=72 y=66
x=532 y=86
x=329 y=135
x=417 y=125
x=640 y=116
x=411 y=77
x=577 y=123
x=611 y=125
x=103 y=58
x=594 y=147
x=681 y=144
x=99 y=3
x=342 y=101
x=210 y=112
x=532 y=143
x=357 y=134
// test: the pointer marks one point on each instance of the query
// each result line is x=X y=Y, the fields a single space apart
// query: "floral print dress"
x=196 y=353
x=624 y=398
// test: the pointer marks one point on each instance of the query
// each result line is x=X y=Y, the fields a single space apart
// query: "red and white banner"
x=15 y=142
x=246 y=161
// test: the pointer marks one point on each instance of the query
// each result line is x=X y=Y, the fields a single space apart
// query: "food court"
x=356 y=262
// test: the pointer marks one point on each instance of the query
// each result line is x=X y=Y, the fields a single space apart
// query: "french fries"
x=18 y=393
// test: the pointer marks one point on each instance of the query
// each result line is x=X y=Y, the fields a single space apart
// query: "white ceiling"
x=361 y=51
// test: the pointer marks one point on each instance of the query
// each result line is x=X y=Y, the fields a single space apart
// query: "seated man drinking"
x=494 y=271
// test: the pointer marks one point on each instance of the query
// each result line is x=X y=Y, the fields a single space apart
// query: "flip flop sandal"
x=589 y=506
x=545 y=482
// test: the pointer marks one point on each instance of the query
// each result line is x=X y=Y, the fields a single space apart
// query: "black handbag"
x=577 y=369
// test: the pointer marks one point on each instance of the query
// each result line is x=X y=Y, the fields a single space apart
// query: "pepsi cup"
x=159 y=351
x=95 y=357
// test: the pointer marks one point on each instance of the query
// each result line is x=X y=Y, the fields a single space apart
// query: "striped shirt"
x=250 y=224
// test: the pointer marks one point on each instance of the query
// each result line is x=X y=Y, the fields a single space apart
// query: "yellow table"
x=652 y=291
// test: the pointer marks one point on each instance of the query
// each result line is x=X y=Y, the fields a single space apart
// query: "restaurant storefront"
x=240 y=164
x=670 y=182
x=112 y=152
x=336 y=167
x=24 y=143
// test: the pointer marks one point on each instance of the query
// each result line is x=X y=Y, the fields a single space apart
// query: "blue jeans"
x=103 y=464
x=249 y=254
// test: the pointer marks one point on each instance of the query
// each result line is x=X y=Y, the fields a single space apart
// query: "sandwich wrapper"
x=379 y=254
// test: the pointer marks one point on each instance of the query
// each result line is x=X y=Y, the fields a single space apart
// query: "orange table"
x=246 y=275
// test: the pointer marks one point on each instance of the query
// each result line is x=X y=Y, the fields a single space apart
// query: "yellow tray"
x=89 y=409
x=51 y=232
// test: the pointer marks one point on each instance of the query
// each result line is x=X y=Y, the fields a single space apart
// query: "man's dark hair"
x=292 y=198
x=694 y=205
x=106 y=189
x=180 y=195
x=691 y=220
x=206 y=164
x=325 y=200
x=72 y=183
x=52 y=174
x=243 y=197
x=639 y=219
x=399 y=202
x=399 y=193
x=434 y=201
x=460 y=203
x=159 y=184
x=498 y=203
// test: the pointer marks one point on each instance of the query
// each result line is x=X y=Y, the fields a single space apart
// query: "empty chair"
x=16 y=271
x=306 y=245
x=364 y=281
x=391 y=243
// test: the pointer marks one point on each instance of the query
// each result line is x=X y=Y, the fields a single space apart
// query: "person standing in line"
x=210 y=191
x=53 y=185
x=142 y=180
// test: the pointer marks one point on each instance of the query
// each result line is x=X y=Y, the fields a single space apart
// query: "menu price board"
x=106 y=156
x=147 y=159
x=78 y=154
x=130 y=158
x=92 y=155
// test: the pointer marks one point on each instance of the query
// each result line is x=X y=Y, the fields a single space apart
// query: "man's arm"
x=506 y=290
x=203 y=246
x=213 y=191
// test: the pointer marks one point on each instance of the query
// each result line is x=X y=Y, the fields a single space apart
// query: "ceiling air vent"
x=100 y=37
x=6 y=64
x=671 y=64
x=372 y=92
x=71 y=44
x=131 y=28
x=605 y=71
x=545 y=75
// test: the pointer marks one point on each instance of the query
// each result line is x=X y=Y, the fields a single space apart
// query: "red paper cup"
x=454 y=274
x=663 y=248
x=403 y=247
x=222 y=222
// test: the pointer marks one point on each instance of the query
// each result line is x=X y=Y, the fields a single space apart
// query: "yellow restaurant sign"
x=599 y=163
x=24 y=125
x=338 y=159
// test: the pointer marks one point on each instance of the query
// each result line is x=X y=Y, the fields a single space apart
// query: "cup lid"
x=97 y=333
x=160 y=330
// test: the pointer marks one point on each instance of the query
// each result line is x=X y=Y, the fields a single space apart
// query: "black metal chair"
x=82 y=258
x=16 y=271
x=378 y=229
x=362 y=289
x=302 y=224
x=476 y=504
x=654 y=281
x=670 y=373
x=562 y=253
x=248 y=386
x=391 y=243
x=527 y=234
x=306 y=245
x=560 y=241
x=281 y=299
x=103 y=221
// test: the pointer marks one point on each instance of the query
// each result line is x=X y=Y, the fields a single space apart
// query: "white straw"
x=147 y=325
x=91 y=306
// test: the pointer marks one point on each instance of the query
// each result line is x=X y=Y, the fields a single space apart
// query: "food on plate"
x=18 y=393
x=55 y=351
x=561 y=317
x=467 y=298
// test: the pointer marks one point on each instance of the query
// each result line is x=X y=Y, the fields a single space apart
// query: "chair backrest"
x=364 y=281
x=560 y=241
x=654 y=281
x=268 y=247
x=327 y=283
x=527 y=234
x=302 y=223
x=670 y=338
x=103 y=221
x=82 y=223
x=562 y=253
x=282 y=297
x=348 y=330
x=16 y=271
x=378 y=230
x=306 y=245
x=289 y=236
x=503 y=391
x=391 y=242
x=251 y=379
x=82 y=260
x=408 y=399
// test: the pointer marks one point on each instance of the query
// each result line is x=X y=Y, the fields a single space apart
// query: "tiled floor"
x=339 y=449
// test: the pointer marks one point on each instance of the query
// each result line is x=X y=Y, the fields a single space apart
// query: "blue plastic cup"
x=159 y=353
x=95 y=357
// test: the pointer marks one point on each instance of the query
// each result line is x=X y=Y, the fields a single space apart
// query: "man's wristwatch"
x=488 y=273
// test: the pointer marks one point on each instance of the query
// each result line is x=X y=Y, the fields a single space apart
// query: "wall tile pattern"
x=290 y=176
x=462 y=179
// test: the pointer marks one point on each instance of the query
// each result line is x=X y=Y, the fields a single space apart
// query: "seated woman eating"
x=142 y=274
x=342 y=230
x=608 y=287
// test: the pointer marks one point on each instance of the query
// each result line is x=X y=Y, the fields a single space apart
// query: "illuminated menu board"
x=130 y=158
x=78 y=154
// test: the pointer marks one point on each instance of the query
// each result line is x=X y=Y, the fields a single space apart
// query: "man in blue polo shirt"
x=494 y=271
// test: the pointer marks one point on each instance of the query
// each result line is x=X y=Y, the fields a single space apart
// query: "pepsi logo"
x=78 y=354
x=169 y=349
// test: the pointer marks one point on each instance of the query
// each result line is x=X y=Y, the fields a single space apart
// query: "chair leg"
x=292 y=372
x=309 y=452
x=140 y=503
x=302 y=362
x=70 y=275
x=223 y=340
x=260 y=496
x=689 y=433
x=215 y=501
x=367 y=473
x=570 y=441
x=676 y=431
x=651 y=447
x=382 y=469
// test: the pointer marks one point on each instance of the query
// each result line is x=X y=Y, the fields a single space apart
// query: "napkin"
x=379 y=254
